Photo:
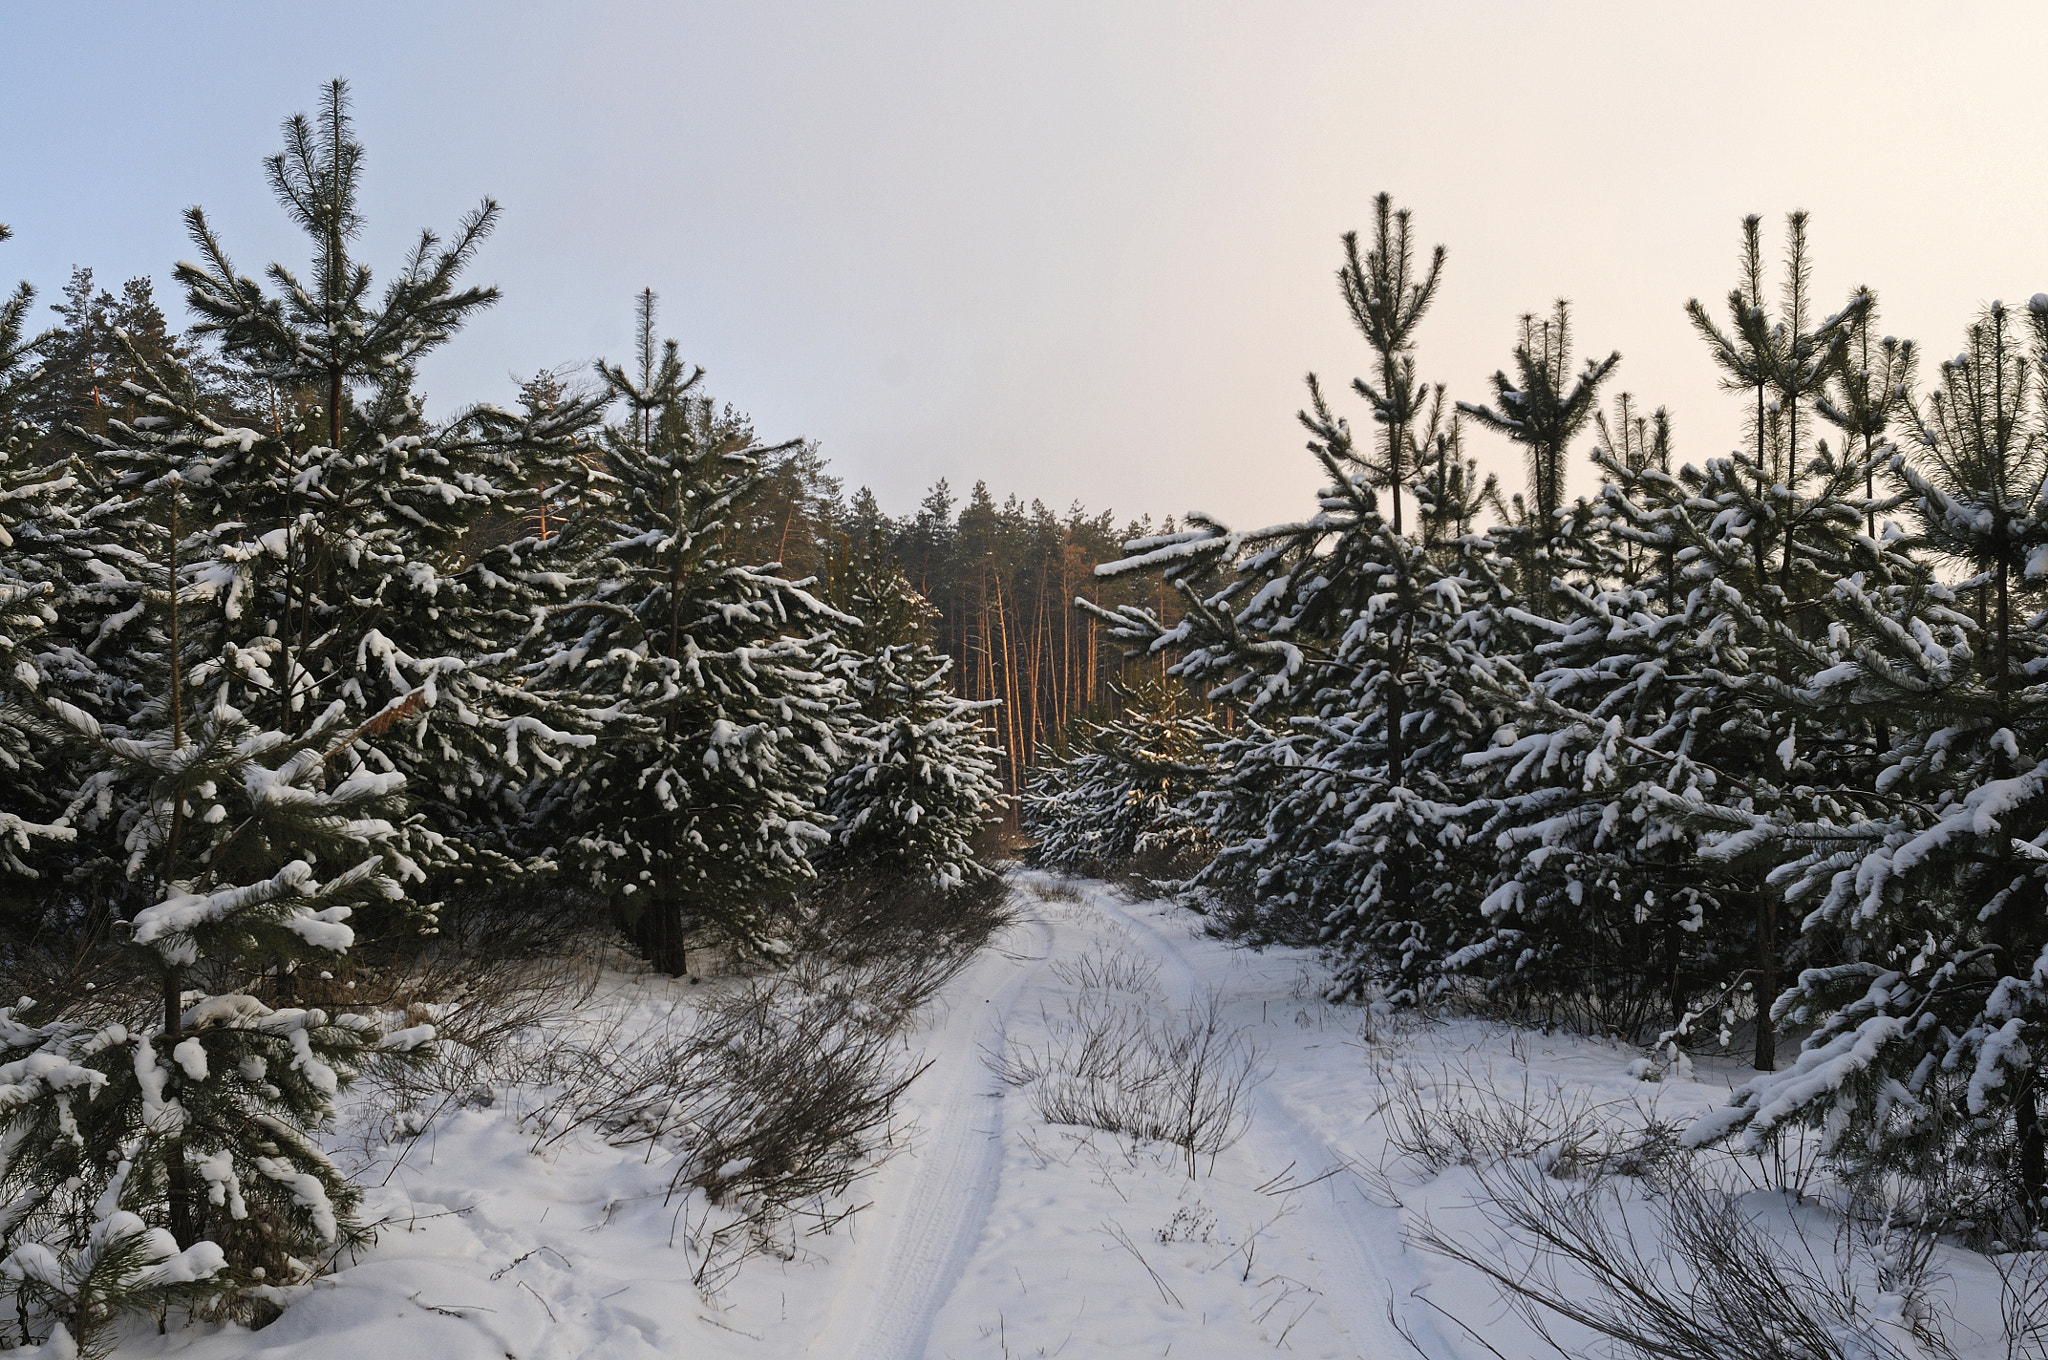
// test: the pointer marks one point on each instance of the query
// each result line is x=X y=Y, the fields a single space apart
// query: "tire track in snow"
x=902 y=1277
x=1337 y=1225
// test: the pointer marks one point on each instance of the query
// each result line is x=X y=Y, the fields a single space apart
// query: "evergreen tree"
x=1449 y=492
x=1357 y=652
x=1597 y=900
x=123 y=1266
x=718 y=683
x=1640 y=443
x=251 y=848
x=920 y=781
x=31 y=501
x=1926 y=927
x=16 y=345
x=352 y=581
x=1387 y=299
x=87 y=365
x=1787 y=532
x=1869 y=392
x=1126 y=793
x=1548 y=408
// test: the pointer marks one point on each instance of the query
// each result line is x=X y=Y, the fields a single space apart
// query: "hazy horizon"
x=1077 y=252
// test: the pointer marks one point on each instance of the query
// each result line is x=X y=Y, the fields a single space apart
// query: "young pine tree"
x=355 y=581
x=1788 y=528
x=1544 y=408
x=717 y=683
x=920 y=781
x=1594 y=901
x=1356 y=649
x=1126 y=792
x=1925 y=924
x=174 y=1148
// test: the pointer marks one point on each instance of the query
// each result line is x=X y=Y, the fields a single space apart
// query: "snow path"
x=1337 y=1225
x=931 y=1272
x=939 y=1198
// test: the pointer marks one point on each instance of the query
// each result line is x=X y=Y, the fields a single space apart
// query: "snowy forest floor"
x=994 y=1234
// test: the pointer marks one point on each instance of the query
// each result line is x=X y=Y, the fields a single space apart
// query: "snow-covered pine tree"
x=919 y=781
x=1596 y=900
x=191 y=1118
x=1449 y=492
x=1928 y=922
x=354 y=580
x=123 y=1266
x=1671 y=686
x=1356 y=651
x=1788 y=525
x=1868 y=394
x=33 y=501
x=719 y=683
x=1125 y=793
x=1638 y=443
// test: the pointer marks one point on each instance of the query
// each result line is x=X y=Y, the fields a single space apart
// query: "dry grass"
x=1455 y=1114
x=1701 y=1279
x=1183 y=1078
x=1593 y=1219
x=1110 y=968
x=771 y=1096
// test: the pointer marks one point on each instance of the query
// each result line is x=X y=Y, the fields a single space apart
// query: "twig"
x=543 y=1302
x=1123 y=1240
x=1272 y=1188
x=501 y=1271
x=734 y=1330
x=450 y=1311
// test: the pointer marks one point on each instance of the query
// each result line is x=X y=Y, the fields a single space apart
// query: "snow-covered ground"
x=995 y=1234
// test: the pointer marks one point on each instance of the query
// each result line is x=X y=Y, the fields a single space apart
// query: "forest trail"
x=994 y=1235
x=932 y=1203
x=1337 y=1226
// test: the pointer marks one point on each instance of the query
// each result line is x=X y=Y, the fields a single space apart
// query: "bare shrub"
x=2023 y=1303
x=497 y=982
x=84 y=977
x=1118 y=968
x=1707 y=1280
x=1053 y=890
x=890 y=924
x=773 y=1095
x=894 y=942
x=1184 y=1078
x=1454 y=1116
x=490 y=1027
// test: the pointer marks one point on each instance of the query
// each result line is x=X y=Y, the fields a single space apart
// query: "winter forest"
x=1471 y=918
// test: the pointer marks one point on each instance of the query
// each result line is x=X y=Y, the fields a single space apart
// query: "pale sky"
x=1079 y=250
